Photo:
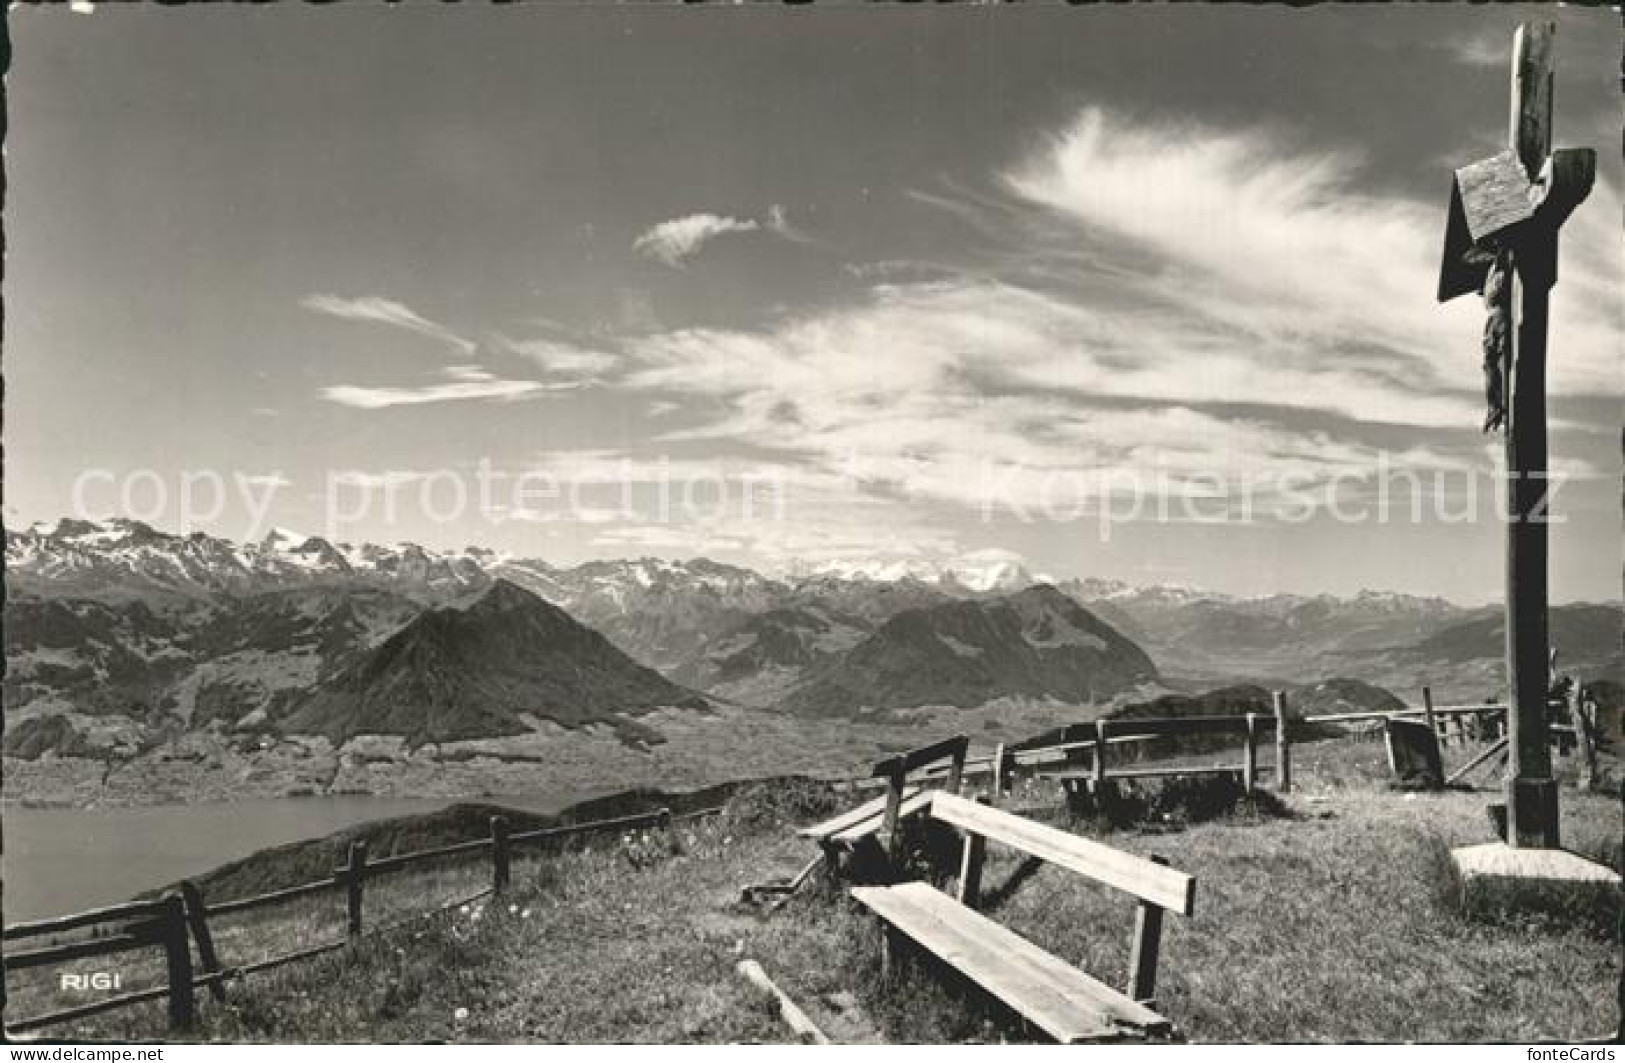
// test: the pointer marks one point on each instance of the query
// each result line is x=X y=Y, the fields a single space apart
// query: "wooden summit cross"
x=1501 y=239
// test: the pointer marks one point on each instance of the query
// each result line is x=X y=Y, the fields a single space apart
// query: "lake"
x=62 y=860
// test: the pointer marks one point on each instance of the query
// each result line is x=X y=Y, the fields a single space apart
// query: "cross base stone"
x=1497 y=878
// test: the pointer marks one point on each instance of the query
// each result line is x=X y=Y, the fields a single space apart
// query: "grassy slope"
x=1332 y=925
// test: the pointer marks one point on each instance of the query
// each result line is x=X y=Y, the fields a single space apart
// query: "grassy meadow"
x=1329 y=916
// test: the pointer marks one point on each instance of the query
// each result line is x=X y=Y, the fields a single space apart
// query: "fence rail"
x=1437 y=710
x=180 y=918
x=79 y=920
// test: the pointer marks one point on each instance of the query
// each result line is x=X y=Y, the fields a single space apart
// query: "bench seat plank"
x=1162 y=886
x=912 y=805
x=1061 y=1000
x=870 y=810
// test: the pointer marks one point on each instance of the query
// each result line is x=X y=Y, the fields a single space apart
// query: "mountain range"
x=125 y=630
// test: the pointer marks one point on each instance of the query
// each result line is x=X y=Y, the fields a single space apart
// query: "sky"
x=1142 y=293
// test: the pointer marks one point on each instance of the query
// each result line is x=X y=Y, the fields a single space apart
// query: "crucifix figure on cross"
x=1501 y=240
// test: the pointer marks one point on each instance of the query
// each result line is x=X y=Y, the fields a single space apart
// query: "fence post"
x=197 y=916
x=956 y=769
x=1249 y=764
x=178 y=961
x=352 y=875
x=1427 y=710
x=1100 y=756
x=1585 y=737
x=499 y=853
x=1283 y=746
x=996 y=791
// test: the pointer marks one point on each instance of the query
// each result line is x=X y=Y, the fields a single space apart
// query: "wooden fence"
x=1084 y=750
x=1098 y=738
x=180 y=918
x=1091 y=743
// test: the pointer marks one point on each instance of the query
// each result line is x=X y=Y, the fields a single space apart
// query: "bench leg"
x=1142 y=963
x=891 y=827
x=970 y=870
x=833 y=871
x=891 y=955
x=1079 y=800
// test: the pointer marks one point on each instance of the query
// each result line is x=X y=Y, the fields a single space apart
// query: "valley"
x=145 y=668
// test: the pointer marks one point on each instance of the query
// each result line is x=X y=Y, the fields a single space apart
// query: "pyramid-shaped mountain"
x=473 y=669
x=1036 y=643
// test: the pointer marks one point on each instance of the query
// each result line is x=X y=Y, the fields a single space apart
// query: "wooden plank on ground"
x=1164 y=886
x=1061 y=1000
x=803 y=1027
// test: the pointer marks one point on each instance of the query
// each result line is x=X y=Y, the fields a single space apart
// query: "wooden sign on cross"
x=1501 y=238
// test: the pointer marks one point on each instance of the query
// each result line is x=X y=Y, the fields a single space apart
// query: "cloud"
x=468 y=382
x=386 y=312
x=987 y=395
x=674 y=242
x=563 y=359
x=778 y=222
x=1201 y=307
x=1489 y=47
x=1276 y=249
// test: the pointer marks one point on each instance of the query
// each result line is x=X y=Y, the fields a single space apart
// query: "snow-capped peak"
x=280 y=539
x=979 y=572
x=985 y=575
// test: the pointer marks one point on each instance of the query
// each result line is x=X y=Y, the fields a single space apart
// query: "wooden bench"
x=1059 y=999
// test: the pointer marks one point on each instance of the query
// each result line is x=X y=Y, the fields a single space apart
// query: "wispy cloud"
x=972 y=395
x=561 y=358
x=387 y=312
x=1487 y=47
x=467 y=383
x=674 y=242
x=1276 y=249
x=778 y=222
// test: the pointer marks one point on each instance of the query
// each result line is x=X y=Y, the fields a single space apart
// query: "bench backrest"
x=895 y=771
x=948 y=749
x=1149 y=881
